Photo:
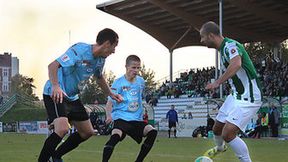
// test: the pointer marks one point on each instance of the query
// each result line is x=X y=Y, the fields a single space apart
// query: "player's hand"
x=116 y=97
x=108 y=119
x=57 y=94
x=212 y=86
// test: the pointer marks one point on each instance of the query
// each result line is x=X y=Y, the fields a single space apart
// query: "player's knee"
x=87 y=134
x=217 y=131
x=62 y=131
x=227 y=137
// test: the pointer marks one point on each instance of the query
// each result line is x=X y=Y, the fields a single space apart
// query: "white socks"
x=219 y=142
x=240 y=149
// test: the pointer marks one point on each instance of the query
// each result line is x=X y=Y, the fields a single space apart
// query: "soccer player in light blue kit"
x=60 y=94
x=128 y=115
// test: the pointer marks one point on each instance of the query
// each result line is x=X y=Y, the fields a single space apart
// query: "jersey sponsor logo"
x=125 y=88
x=65 y=58
x=89 y=70
x=86 y=63
x=133 y=106
x=133 y=92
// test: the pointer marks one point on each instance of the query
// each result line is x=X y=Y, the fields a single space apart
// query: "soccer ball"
x=203 y=159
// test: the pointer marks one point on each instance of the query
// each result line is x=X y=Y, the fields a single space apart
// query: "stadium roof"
x=168 y=20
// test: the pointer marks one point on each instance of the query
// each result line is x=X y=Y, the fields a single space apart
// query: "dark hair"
x=107 y=34
x=210 y=27
x=132 y=58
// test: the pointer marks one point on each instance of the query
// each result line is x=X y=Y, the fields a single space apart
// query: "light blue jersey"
x=77 y=64
x=130 y=109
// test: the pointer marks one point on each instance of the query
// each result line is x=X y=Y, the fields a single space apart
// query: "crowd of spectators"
x=273 y=77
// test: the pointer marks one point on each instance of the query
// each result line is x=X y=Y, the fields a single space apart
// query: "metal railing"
x=8 y=104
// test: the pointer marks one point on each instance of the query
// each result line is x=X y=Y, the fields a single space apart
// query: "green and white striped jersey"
x=245 y=83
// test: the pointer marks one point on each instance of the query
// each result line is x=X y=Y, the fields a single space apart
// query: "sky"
x=37 y=32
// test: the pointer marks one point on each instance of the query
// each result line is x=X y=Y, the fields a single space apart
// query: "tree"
x=284 y=48
x=23 y=86
x=149 y=77
x=92 y=93
x=259 y=51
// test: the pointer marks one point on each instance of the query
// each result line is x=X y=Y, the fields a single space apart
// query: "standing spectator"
x=61 y=91
x=258 y=127
x=190 y=116
x=264 y=124
x=245 y=98
x=172 y=117
x=274 y=120
x=128 y=115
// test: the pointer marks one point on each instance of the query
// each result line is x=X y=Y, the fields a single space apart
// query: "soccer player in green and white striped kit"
x=246 y=96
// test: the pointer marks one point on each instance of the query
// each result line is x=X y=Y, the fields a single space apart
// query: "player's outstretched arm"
x=234 y=66
x=104 y=86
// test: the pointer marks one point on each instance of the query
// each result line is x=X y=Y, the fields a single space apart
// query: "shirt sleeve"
x=69 y=58
x=233 y=50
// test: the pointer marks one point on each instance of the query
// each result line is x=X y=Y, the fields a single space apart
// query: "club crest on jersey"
x=233 y=51
x=65 y=58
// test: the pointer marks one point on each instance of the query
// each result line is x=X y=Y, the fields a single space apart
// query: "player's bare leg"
x=218 y=139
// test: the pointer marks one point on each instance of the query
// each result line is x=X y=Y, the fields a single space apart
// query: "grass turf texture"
x=25 y=148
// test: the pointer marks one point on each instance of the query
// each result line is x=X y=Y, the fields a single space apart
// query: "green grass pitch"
x=25 y=148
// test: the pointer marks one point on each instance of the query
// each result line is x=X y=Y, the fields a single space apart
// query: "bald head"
x=210 y=27
x=210 y=35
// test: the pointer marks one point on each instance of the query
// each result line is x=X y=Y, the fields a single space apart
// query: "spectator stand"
x=184 y=105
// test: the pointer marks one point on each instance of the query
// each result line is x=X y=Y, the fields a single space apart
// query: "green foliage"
x=21 y=112
x=258 y=51
x=149 y=77
x=92 y=92
x=284 y=48
x=23 y=85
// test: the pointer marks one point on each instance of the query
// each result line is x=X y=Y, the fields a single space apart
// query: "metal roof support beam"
x=171 y=66
x=178 y=41
x=217 y=54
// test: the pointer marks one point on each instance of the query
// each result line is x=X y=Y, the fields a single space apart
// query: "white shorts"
x=237 y=112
